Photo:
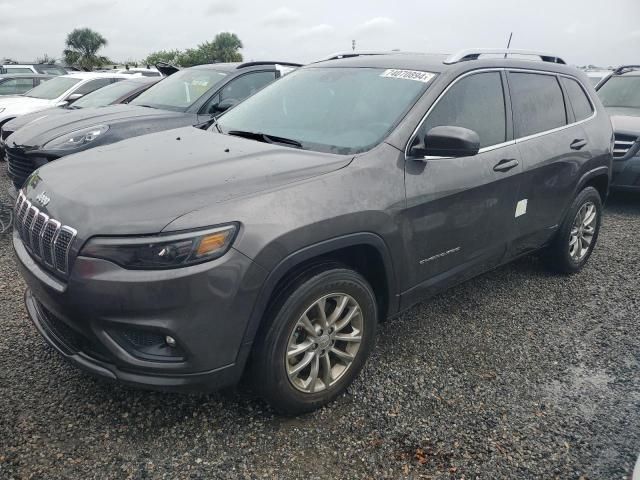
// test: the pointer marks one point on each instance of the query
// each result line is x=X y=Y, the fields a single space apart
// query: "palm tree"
x=82 y=48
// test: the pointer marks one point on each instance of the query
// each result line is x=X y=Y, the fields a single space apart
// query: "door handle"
x=505 y=165
x=578 y=144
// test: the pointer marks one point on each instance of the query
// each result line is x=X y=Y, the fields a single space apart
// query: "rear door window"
x=246 y=85
x=580 y=103
x=538 y=103
x=15 y=86
x=93 y=85
x=475 y=102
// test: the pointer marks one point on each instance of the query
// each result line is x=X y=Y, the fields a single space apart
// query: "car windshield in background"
x=105 y=95
x=50 y=69
x=338 y=110
x=181 y=90
x=621 y=92
x=52 y=88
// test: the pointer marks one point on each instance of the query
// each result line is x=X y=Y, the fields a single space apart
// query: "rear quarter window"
x=580 y=103
x=538 y=103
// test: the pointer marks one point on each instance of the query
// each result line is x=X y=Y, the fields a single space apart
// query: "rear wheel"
x=577 y=236
x=317 y=341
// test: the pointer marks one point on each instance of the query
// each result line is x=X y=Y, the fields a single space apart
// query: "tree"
x=46 y=59
x=223 y=48
x=82 y=49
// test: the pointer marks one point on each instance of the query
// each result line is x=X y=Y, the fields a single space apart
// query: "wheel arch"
x=597 y=178
x=365 y=252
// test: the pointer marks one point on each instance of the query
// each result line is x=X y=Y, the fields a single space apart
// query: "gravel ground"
x=516 y=374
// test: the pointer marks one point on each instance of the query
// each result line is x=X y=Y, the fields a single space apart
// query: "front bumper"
x=89 y=319
x=626 y=174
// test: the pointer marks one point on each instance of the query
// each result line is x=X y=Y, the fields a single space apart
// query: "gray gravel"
x=516 y=374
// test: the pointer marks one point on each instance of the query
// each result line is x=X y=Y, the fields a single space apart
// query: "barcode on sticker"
x=408 y=75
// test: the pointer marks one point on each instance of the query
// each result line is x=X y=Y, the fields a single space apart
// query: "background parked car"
x=19 y=83
x=62 y=90
x=44 y=68
x=116 y=93
x=596 y=76
x=193 y=96
x=620 y=94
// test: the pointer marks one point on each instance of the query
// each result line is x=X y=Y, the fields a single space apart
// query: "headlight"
x=76 y=139
x=163 y=251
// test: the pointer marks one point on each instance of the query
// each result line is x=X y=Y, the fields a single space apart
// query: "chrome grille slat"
x=45 y=238
x=622 y=144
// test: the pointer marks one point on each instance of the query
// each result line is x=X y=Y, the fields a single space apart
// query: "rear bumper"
x=626 y=174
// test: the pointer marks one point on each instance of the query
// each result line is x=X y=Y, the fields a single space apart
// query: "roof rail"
x=253 y=64
x=339 y=55
x=625 y=68
x=474 y=54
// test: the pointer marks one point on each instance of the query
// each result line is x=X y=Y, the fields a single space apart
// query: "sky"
x=581 y=31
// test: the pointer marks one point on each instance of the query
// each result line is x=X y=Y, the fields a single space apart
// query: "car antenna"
x=509 y=43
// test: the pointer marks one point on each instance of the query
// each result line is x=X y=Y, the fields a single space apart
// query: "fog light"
x=170 y=341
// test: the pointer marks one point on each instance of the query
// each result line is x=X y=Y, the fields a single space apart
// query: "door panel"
x=460 y=214
x=460 y=211
x=553 y=149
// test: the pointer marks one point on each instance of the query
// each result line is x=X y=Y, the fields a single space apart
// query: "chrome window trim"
x=509 y=142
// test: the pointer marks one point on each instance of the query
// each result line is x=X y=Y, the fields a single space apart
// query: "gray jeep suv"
x=273 y=243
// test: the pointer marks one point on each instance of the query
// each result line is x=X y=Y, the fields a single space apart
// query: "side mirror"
x=447 y=141
x=73 y=97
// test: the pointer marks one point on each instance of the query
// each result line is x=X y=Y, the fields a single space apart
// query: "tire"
x=274 y=374
x=562 y=254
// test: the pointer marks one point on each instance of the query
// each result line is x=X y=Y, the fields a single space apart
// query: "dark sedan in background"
x=19 y=83
x=193 y=96
x=620 y=95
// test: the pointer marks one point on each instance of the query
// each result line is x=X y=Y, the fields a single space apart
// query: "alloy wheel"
x=324 y=343
x=582 y=231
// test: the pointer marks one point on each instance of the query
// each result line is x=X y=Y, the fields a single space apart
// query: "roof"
x=90 y=75
x=436 y=62
x=26 y=75
x=231 y=66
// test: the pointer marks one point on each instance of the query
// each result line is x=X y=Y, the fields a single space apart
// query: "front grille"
x=4 y=133
x=622 y=145
x=19 y=167
x=46 y=238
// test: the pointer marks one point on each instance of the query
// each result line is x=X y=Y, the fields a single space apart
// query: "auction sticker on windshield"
x=408 y=75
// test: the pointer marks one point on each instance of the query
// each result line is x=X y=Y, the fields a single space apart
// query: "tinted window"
x=93 y=85
x=18 y=70
x=538 y=103
x=341 y=110
x=106 y=95
x=15 y=86
x=181 y=90
x=246 y=85
x=476 y=102
x=621 y=92
x=53 y=88
x=579 y=101
x=50 y=69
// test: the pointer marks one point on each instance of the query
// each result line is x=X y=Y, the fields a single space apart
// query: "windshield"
x=52 y=88
x=339 y=110
x=621 y=92
x=181 y=90
x=50 y=69
x=106 y=95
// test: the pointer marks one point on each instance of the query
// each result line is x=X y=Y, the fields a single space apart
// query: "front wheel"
x=577 y=234
x=317 y=341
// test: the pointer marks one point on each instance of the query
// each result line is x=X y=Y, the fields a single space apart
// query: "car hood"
x=625 y=120
x=140 y=185
x=19 y=122
x=125 y=121
x=24 y=102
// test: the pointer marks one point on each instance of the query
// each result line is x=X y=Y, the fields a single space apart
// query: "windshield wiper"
x=265 y=137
